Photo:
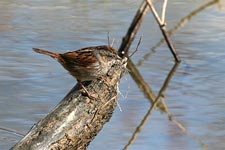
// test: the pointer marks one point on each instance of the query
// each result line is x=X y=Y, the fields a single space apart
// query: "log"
x=76 y=120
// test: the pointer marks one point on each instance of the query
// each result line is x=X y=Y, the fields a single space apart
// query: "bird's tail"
x=51 y=54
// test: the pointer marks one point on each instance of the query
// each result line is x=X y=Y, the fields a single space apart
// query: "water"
x=31 y=84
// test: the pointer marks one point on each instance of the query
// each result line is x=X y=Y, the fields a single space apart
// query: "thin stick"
x=164 y=31
x=154 y=12
x=124 y=48
x=180 y=24
x=12 y=131
x=108 y=39
x=164 y=11
x=139 y=42
x=113 y=40
x=118 y=104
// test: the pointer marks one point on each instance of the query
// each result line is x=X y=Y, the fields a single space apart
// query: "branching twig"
x=164 y=31
x=160 y=95
x=181 y=23
x=154 y=12
x=139 y=42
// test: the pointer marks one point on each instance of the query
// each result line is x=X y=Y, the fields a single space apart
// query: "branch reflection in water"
x=145 y=88
x=125 y=46
x=154 y=104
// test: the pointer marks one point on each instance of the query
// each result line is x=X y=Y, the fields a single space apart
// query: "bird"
x=85 y=64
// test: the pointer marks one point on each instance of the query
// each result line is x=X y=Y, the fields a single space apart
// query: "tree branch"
x=76 y=120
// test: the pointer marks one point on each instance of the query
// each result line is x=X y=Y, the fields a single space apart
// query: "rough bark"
x=76 y=120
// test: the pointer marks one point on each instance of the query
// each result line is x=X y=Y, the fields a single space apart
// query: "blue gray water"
x=31 y=84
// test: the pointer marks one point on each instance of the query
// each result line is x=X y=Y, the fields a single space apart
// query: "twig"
x=108 y=39
x=181 y=23
x=12 y=131
x=124 y=48
x=164 y=11
x=154 y=12
x=113 y=40
x=164 y=31
x=139 y=42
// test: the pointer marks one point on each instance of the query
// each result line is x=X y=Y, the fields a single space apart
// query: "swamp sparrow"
x=85 y=64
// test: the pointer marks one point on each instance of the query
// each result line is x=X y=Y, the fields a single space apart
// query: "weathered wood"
x=76 y=120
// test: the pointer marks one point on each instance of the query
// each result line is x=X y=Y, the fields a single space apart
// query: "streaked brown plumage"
x=85 y=64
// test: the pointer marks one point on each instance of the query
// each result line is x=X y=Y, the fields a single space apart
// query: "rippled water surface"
x=31 y=84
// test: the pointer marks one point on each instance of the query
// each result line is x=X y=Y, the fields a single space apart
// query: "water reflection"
x=159 y=98
x=30 y=85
